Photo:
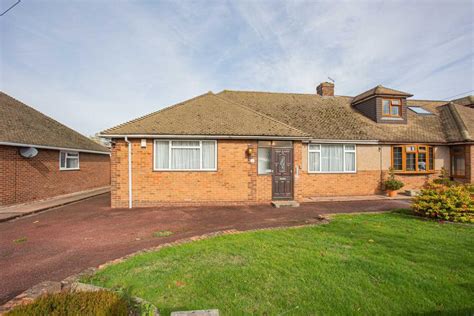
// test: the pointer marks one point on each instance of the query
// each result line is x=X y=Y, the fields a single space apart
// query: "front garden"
x=389 y=263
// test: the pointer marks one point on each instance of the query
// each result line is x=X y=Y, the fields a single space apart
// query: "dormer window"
x=383 y=105
x=392 y=107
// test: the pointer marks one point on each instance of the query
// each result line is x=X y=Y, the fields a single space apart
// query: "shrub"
x=452 y=203
x=444 y=178
x=101 y=303
x=391 y=183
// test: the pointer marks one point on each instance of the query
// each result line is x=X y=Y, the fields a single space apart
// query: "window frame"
x=343 y=157
x=65 y=168
x=390 y=100
x=170 y=146
x=429 y=153
x=451 y=160
x=258 y=161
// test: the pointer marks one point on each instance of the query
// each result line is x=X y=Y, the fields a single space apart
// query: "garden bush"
x=444 y=178
x=451 y=203
x=102 y=303
x=391 y=183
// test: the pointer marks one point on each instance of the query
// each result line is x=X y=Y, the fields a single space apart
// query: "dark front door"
x=282 y=165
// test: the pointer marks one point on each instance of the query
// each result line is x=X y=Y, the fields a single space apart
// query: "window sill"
x=184 y=170
x=334 y=172
x=69 y=169
x=414 y=172
x=392 y=118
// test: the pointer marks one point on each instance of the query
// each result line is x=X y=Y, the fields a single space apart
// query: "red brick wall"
x=235 y=181
x=23 y=180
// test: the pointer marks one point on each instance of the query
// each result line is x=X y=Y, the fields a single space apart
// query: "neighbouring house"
x=41 y=158
x=254 y=147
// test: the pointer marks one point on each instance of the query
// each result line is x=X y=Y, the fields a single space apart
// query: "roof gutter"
x=343 y=141
x=205 y=136
x=130 y=203
x=55 y=148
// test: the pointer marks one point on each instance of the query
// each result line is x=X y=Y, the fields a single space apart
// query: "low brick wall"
x=24 y=180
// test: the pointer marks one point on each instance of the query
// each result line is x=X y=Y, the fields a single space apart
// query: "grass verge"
x=387 y=263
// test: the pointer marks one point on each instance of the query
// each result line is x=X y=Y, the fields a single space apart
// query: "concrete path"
x=10 y=212
x=63 y=241
x=356 y=198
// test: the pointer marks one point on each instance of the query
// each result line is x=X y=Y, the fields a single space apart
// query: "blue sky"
x=94 y=64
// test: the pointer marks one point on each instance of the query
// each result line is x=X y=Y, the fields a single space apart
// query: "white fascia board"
x=205 y=137
x=55 y=148
x=342 y=141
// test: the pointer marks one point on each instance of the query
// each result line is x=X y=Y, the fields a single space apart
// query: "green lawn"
x=358 y=264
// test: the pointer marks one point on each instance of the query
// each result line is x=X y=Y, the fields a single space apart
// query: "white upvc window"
x=331 y=158
x=185 y=155
x=68 y=160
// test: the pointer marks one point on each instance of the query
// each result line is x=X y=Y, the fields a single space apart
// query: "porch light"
x=249 y=151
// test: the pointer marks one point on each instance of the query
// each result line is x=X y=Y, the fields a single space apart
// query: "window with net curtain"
x=185 y=155
x=327 y=158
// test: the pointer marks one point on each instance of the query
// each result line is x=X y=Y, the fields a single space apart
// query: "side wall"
x=24 y=180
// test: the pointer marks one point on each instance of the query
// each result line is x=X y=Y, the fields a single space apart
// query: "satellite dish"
x=28 y=152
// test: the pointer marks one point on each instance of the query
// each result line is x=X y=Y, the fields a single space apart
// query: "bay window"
x=413 y=158
x=185 y=155
x=331 y=158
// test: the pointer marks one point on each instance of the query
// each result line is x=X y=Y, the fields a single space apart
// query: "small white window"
x=68 y=160
x=183 y=155
x=332 y=158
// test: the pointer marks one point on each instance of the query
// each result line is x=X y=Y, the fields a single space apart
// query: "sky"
x=95 y=64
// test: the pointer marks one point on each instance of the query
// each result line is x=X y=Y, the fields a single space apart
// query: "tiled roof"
x=458 y=122
x=247 y=113
x=335 y=118
x=467 y=101
x=379 y=90
x=22 y=124
x=207 y=114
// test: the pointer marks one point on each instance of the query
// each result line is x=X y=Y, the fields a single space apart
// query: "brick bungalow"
x=41 y=158
x=255 y=147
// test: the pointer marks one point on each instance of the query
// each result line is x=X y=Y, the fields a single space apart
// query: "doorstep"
x=18 y=210
x=355 y=198
x=285 y=203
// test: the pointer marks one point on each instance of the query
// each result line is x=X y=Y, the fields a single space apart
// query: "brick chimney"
x=325 y=89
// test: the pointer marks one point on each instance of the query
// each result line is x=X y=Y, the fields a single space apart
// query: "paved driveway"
x=64 y=241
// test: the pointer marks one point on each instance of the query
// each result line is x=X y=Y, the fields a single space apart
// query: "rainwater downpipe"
x=381 y=168
x=129 y=172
